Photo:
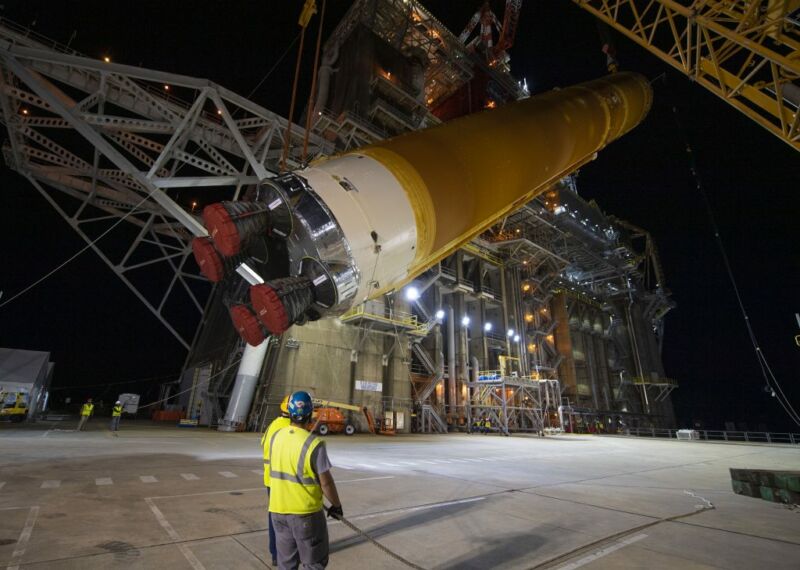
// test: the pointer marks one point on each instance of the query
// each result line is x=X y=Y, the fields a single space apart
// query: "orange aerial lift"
x=329 y=417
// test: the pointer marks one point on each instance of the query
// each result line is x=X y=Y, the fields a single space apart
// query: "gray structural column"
x=463 y=346
x=591 y=367
x=474 y=374
x=245 y=386
x=387 y=362
x=451 y=358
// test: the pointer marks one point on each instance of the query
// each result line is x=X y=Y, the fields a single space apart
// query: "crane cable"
x=766 y=370
x=312 y=94
x=309 y=9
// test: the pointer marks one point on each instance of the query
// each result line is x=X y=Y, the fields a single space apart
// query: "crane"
x=745 y=52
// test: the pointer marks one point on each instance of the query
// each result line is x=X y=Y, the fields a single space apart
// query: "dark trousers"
x=302 y=539
x=273 y=543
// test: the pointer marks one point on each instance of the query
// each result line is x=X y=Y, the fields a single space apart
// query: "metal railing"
x=715 y=435
x=639 y=381
x=375 y=311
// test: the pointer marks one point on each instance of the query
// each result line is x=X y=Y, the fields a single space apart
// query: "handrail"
x=399 y=318
x=721 y=435
x=638 y=380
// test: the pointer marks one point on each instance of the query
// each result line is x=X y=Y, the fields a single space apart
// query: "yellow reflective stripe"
x=291 y=478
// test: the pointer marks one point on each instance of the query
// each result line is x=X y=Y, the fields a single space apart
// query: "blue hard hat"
x=300 y=406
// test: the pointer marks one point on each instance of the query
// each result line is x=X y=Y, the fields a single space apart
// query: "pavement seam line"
x=24 y=537
x=603 y=552
x=173 y=534
x=253 y=554
x=555 y=561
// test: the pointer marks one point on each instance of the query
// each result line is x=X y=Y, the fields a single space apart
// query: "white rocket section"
x=364 y=197
x=245 y=387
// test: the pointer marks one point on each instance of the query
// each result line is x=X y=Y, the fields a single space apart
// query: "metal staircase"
x=436 y=373
x=432 y=422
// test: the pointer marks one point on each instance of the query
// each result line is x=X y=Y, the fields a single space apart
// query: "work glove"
x=336 y=513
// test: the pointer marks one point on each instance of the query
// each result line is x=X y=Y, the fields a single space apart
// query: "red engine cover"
x=269 y=308
x=222 y=229
x=247 y=325
x=208 y=259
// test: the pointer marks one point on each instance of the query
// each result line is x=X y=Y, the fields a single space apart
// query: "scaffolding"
x=513 y=404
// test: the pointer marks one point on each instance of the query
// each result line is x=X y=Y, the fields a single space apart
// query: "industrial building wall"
x=600 y=361
x=317 y=357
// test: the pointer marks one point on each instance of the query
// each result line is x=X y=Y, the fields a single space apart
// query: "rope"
x=275 y=65
x=560 y=559
x=377 y=544
x=231 y=365
x=79 y=252
x=766 y=370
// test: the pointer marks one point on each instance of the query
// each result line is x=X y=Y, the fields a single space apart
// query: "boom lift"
x=329 y=418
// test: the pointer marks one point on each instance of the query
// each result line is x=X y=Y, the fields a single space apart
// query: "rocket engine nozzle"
x=232 y=224
x=247 y=325
x=282 y=303
x=207 y=258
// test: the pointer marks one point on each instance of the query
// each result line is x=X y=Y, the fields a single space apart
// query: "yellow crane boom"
x=745 y=51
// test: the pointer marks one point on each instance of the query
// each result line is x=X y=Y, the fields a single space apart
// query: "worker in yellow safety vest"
x=116 y=414
x=300 y=474
x=487 y=425
x=86 y=412
x=281 y=421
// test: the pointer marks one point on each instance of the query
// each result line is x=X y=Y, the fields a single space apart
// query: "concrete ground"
x=163 y=497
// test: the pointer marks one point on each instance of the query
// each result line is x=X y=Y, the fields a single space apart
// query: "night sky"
x=99 y=332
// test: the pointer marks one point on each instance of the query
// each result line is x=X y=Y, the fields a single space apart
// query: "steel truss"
x=512 y=404
x=104 y=142
x=746 y=52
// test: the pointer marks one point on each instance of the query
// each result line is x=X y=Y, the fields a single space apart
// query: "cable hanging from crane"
x=309 y=9
x=771 y=381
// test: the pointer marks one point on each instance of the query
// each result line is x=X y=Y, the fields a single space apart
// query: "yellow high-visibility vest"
x=294 y=488
x=87 y=409
x=277 y=423
x=116 y=411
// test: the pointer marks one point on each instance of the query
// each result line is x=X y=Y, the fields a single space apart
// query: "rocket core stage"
x=358 y=225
